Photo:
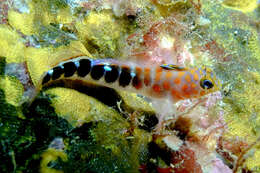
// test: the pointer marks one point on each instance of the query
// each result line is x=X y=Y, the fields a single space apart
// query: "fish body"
x=155 y=81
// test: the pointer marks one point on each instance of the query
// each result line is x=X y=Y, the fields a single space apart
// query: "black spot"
x=125 y=77
x=112 y=73
x=84 y=67
x=97 y=71
x=131 y=17
x=206 y=84
x=148 y=122
x=155 y=151
x=83 y=132
x=57 y=72
x=46 y=78
x=69 y=69
x=137 y=83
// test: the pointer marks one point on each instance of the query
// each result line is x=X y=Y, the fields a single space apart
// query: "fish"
x=167 y=81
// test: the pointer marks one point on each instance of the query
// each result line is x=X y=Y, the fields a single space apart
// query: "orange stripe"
x=184 y=88
x=186 y=91
x=193 y=85
x=138 y=70
x=147 y=77
x=202 y=93
x=157 y=88
x=188 y=78
x=180 y=74
x=158 y=74
x=194 y=91
x=177 y=80
x=175 y=94
x=138 y=83
x=168 y=75
x=166 y=85
x=196 y=76
x=125 y=66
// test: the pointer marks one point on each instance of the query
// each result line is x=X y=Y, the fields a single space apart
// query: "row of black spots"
x=125 y=74
x=83 y=67
x=68 y=69
x=97 y=71
x=53 y=74
x=110 y=72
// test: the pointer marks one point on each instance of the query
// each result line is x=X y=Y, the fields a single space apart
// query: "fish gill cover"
x=99 y=129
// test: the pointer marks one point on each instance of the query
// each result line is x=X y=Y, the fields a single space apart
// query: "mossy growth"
x=101 y=33
x=16 y=138
x=10 y=41
x=53 y=35
x=242 y=108
x=52 y=5
x=97 y=146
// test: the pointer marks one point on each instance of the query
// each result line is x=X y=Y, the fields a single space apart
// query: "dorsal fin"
x=172 y=67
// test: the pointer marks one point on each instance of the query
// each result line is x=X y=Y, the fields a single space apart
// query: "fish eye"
x=206 y=84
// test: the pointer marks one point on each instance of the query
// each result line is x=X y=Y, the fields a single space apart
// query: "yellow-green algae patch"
x=252 y=158
x=168 y=7
x=241 y=5
x=11 y=45
x=23 y=22
x=79 y=108
x=243 y=110
x=232 y=32
x=111 y=130
x=48 y=156
x=30 y=23
x=12 y=88
x=100 y=29
x=133 y=102
x=40 y=60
